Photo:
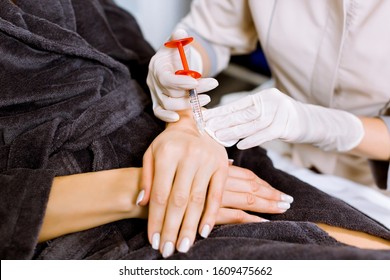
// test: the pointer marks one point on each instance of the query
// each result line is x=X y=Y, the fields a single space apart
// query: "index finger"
x=228 y=108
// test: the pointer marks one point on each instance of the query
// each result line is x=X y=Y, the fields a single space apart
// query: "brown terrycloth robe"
x=73 y=99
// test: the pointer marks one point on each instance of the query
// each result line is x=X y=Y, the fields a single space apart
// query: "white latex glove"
x=270 y=114
x=170 y=91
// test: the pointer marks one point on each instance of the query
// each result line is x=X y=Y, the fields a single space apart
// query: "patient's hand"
x=245 y=191
x=185 y=173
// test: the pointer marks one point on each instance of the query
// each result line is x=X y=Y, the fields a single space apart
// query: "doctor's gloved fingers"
x=206 y=84
x=179 y=34
x=229 y=108
x=247 y=115
x=246 y=130
x=236 y=216
x=176 y=85
x=165 y=115
x=268 y=134
x=204 y=99
x=175 y=104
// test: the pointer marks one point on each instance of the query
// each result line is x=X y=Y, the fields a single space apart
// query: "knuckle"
x=239 y=216
x=197 y=198
x=216 y=196
x=250 y=199
x=179 y=200
x=168 y=149
x=249 y=174
x=274 y=91
x=159 y=199
x=254 y=186
x=223 y=165
x=195 y=151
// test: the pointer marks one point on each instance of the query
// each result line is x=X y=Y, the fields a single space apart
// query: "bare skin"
x=376 y=141
x=356 y=238
x=83 y=201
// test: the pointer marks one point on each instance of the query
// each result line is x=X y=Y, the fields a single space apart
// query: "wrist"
x=82 y=201
x=186 y=122
x=125 y=187
x=331 y=129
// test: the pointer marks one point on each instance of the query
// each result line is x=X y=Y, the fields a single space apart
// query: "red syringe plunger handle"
x=179 y=45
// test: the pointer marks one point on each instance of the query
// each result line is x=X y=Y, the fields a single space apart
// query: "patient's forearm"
x=82 y=201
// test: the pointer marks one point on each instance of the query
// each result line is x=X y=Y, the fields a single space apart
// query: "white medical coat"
x=333 y=53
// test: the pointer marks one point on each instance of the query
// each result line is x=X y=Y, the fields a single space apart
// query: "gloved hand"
x=170 y=91
x=270 y=114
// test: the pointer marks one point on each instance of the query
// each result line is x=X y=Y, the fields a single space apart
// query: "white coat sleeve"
x=221 y=28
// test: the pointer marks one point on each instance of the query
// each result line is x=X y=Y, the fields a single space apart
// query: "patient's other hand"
x=246 y=191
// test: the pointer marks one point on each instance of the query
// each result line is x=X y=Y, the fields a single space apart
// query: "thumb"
x=165 y=115
x=179 y=34
x=206 y=84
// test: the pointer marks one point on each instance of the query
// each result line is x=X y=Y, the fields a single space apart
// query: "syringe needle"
x=196 y=110
x=194 y=100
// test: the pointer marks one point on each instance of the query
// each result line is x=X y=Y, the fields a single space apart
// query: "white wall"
x=157 y=18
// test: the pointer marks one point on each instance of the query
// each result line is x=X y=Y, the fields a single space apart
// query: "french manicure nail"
x=205 y=231
x=140 y=196
x=262 y=220
x=283 y=205
x=184 y=245
x=168 y=249
x=286 y=198
x=156 y=241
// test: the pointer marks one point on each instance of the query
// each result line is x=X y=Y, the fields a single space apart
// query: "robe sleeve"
x=23 y=197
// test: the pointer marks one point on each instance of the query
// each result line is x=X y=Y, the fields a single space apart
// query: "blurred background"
x=157 y=18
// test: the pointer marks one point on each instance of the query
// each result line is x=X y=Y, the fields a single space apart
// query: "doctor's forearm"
x=376 y=141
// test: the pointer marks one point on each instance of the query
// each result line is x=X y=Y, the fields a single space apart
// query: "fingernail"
x=286 y=198
x=283 y=205
x=184 y=245
x=231 y=161
x=205 y=231
x=168 y=249
x=140 y=196
x=156 y=241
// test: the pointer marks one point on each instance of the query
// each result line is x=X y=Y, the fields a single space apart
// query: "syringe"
x=194 y=100
x=196 y=110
